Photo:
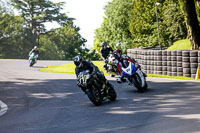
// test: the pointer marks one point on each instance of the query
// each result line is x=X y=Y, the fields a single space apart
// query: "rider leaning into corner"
x=35 y=51
x=82 y=65
x=105 y=51
x=121 y=62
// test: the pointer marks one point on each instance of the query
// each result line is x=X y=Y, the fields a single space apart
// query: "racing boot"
x=121 y=79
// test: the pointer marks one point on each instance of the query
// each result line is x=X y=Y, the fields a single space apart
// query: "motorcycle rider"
x=121 y=62
x=35 y=51
x=82 y=65
x=105 y=51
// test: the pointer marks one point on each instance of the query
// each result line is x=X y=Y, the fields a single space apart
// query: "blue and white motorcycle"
x=134 y=76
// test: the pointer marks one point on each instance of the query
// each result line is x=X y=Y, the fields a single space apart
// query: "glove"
x=116 y=61
x=137 y=65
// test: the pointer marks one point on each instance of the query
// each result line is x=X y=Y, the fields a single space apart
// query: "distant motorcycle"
x=32 y=59
x=96 y=90
x=134 y=76
x=112 y=67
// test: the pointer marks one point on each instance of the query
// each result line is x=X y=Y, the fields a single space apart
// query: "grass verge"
x=181 y=45
x=171 y=77
x=13 y=59
x=70 y=69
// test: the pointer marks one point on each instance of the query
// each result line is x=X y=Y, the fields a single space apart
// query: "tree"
x=188 y=8
x=143 y=24
x=68 y=40
x=48 y=49
x=36 y=12
x=11 y=41
x=18 y=34
x=114 y=28
x=173 y=23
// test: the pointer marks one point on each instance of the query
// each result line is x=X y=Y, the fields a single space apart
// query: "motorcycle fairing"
x=130 y=70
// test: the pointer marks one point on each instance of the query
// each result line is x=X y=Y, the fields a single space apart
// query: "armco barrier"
x=167 y=62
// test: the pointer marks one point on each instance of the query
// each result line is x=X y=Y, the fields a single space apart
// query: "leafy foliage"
x=10 y=35
x=134 y=24
x=173 y=20
x=116 y=22
x=36 y=12
x=143 y=26
x=67 y=39
x=18 y=34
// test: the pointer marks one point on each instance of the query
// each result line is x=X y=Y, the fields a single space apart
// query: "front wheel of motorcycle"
x=138 y=83
x=94 y=97
x=32 y=63
x=112 y=94
x=145 y=86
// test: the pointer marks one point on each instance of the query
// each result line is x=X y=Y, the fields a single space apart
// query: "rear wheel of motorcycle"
x=137 y=82
x=112 y=94
x=94 y=97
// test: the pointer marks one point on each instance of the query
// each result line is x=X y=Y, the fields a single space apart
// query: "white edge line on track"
x=3 y=108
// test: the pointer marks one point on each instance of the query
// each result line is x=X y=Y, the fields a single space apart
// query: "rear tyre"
x=94 y=97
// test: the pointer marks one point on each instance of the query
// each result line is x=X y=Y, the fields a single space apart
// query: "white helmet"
x=35 y=47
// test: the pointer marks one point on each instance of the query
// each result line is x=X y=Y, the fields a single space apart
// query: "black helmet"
x=77 y=60
x=103 y=44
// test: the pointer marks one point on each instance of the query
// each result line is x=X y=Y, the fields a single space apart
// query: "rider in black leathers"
x=82 y=65
x=105 y=51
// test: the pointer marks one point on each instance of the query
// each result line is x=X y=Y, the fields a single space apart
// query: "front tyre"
x=146 y=86
x=94 y=97
x=112 y=95
x=32 y=63
x=138 y=83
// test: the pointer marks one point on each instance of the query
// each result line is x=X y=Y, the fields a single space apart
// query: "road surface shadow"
x=58 y=105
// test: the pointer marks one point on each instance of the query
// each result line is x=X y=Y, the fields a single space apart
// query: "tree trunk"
x=198 y=3
x=192 y=23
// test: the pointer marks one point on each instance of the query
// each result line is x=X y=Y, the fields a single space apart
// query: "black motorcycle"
x=96 y=89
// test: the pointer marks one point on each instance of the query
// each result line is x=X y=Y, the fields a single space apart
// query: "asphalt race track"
x=39 y=102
